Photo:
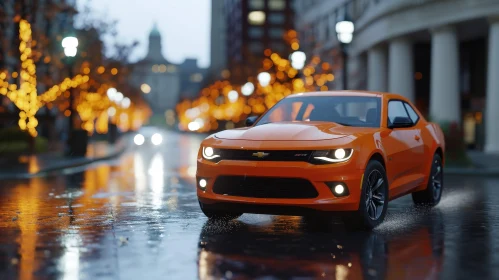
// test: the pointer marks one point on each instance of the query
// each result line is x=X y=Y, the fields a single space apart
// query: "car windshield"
x=358 y=111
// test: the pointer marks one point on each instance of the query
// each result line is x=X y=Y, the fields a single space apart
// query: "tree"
x=26 y=96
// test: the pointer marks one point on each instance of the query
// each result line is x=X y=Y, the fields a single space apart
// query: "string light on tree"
x=26 y=97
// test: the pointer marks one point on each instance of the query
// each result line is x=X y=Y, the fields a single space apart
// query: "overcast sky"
x=184 y=25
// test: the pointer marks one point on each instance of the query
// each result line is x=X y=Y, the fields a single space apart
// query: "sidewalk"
x=24 y=167
x=482 y=165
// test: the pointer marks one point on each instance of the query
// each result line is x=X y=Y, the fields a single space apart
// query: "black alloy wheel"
x=373 y=199
x=375 y=195
x=433 y=193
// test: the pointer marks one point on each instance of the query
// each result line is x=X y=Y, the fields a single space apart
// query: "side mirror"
x=251 y=120
x=400 y=122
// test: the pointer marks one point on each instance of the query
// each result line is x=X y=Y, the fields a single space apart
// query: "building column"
x=377 y=69
x=401 y=68
x=492 y=99
x=445 y=98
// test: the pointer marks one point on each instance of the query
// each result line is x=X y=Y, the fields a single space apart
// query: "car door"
x=417 y=143
x=401 y=146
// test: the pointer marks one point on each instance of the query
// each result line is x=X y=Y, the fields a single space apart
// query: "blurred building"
x=218 y=50
x=443 y=55
x=251 y=27
x=191 y=78
x=158 y=78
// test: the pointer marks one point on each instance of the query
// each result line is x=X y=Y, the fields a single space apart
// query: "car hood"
x=288 y=132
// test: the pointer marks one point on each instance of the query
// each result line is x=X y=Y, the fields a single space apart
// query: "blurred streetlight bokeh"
x=70 y=45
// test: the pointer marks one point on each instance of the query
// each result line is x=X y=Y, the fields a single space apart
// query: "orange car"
x=321 y=153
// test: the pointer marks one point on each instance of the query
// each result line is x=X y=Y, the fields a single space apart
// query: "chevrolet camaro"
x=322 y=153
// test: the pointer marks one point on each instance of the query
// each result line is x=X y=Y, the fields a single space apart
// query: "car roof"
x=386 y=95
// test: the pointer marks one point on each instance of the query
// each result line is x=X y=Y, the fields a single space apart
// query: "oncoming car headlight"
x=332 y=156
x=211 y=154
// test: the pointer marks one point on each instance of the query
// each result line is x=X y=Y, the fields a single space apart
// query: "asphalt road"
x=138 y=218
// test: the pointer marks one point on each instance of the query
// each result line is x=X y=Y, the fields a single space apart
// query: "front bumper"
x=317 y=175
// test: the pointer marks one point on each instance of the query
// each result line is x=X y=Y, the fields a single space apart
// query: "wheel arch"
x=439 y=151
x=436 y=150
x=379 y=156
x=376 y=155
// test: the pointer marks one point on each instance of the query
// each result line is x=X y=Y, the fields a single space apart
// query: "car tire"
x=373 y=199
x=433 y=193
x=217 y=214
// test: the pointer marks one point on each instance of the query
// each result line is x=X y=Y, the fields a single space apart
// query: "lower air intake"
x=264 y=187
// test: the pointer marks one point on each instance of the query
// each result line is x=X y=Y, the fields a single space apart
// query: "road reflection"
x=139 y=218
x=53 y=222
x=289 y=247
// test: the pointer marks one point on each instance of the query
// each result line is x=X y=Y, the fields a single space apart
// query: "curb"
x=47 y=171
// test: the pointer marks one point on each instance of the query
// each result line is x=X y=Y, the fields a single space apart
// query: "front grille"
x=275 y=155
x=264 y=187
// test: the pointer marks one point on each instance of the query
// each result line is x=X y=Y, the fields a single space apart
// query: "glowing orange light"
x=280 y=75
x=145 y=88
x=418 y=76
x=225 y=74
x=478 y=117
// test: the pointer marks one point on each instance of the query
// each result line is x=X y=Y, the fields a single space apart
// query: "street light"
x=70 y=45
x=113 y=95
x=298 y=59
x=344 y=31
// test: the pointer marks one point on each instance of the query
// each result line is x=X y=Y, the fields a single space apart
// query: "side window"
x=412 y=114
x=396 y=109
x=308 y=110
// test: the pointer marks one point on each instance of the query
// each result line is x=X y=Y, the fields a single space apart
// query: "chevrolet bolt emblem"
x=260 y=154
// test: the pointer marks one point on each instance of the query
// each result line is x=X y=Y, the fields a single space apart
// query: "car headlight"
x=211 y=154
x=139 y=139
x=332 y=156
x=156 y=139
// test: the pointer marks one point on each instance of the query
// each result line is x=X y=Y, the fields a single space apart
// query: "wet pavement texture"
x=137 y=217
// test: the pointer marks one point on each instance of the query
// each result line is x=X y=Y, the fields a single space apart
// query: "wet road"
x=138 y=218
